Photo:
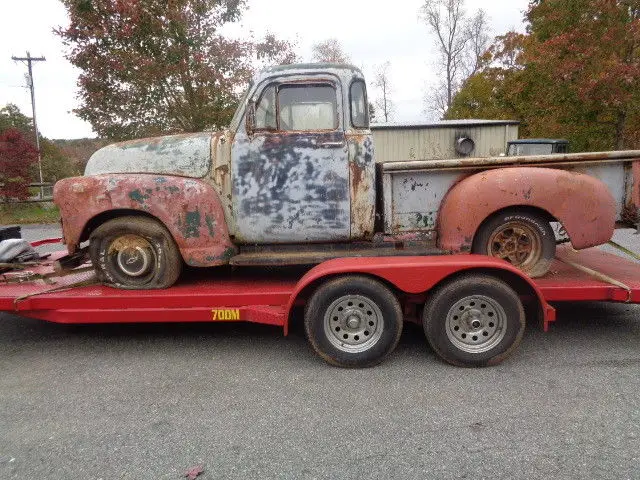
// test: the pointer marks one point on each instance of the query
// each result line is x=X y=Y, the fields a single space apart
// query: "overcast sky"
x=371 y=33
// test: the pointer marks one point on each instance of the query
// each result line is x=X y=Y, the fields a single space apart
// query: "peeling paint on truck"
x=188 y=208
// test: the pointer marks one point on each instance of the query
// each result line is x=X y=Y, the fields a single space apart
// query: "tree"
x=329 y=51
x=382 y=82
x=16 y=157
x=461 y=40
x=574 y=74
x=152 y=67
x=589 y=51
x=372 y=113
x=494 y=92
x=55 y=165
x=12 y=117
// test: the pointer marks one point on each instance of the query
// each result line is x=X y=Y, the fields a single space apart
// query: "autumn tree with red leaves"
x=16 y=157
x=150 y=67
x=575 y=74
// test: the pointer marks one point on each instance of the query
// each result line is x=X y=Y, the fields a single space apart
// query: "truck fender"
x=189 y=208
x=581 y=203
x=417 y=275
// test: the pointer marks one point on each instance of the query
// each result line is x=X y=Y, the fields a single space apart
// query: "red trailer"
x=473 y=308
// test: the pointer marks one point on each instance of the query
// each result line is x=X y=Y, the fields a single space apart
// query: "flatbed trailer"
x=339 y=299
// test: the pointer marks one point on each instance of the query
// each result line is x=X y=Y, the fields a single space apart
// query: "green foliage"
x=575 y=74
x=12 y=117
x=153 y=67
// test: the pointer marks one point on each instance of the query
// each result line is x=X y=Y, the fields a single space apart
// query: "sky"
x=371 y=33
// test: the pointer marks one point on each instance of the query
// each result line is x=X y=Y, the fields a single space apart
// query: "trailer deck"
x=223 y=294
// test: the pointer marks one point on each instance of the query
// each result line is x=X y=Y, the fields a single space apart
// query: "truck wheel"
x=353 y=321
x=522 y=238
x=135 y=253
x=474 y=321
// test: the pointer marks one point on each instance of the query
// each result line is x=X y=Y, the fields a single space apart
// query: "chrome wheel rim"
x=517 y=243
x=476 y=324
x=353 y=323
x=133 y=255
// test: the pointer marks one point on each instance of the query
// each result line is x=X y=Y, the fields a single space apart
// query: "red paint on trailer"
x=412 y=275
x=261 y=298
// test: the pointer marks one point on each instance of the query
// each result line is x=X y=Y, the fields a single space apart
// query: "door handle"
x=332 y=144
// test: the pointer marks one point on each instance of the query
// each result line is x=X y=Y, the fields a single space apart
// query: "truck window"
x=266 y=110
x=358 y=97
x=308 y=107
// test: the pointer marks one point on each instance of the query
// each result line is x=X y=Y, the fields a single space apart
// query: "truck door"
x=291 y=177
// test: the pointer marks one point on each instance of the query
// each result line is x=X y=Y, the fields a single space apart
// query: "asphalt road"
x=151 y=401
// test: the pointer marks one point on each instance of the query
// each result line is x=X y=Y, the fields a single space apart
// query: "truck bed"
x=261 y=295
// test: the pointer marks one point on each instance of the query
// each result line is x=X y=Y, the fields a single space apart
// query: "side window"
x=266 y=110
x=358 y=96
x=308 y=107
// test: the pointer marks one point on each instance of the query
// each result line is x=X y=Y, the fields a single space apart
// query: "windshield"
x=235 y=121
x=523 y=149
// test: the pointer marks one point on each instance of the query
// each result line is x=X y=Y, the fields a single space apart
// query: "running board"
x=313 y=257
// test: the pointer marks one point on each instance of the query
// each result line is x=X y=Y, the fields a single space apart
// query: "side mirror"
x=251 y=118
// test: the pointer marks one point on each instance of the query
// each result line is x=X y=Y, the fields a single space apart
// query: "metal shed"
x=437 y=140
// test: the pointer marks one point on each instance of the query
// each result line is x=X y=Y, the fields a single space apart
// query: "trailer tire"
x=135 y=253
x=521 y=237
x=353 y=321
x=474 y=320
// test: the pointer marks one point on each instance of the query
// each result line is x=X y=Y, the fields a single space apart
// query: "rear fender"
x=582 y=204
x=189 y=208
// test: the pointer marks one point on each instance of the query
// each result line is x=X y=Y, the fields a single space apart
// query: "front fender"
x=189 y=208
x=583 y=204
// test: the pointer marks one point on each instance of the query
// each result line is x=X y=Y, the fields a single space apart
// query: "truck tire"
x=135 y=253
x=474 y=320
x=353 y=321
x=522 y=238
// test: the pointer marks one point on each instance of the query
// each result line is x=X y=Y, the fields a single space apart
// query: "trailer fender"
x=415 y=275
x=189 y=208
x=581 y=203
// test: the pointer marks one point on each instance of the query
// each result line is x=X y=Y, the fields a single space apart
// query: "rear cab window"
x=358 y=102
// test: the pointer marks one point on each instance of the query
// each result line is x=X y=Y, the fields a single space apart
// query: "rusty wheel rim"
x=133 y=255
x=517 y=243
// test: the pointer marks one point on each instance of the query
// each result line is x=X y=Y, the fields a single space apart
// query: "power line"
x=29 y=60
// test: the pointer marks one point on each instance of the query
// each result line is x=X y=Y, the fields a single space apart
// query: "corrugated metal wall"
x=437 y=141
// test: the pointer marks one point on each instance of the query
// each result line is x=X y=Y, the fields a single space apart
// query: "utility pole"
x=29 y=60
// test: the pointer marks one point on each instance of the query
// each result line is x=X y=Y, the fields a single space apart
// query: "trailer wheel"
x=135 y=253
x=474 y=321
x=353 y=321
x=522 y=238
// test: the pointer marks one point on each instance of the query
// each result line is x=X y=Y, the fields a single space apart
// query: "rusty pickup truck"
x=293 y=180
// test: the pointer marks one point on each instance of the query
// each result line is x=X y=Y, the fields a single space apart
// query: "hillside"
x=79 y=150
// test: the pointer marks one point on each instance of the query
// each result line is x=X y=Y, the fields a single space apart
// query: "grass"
x=22 y=213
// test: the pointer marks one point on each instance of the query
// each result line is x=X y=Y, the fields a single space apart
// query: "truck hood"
x=186 y=155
